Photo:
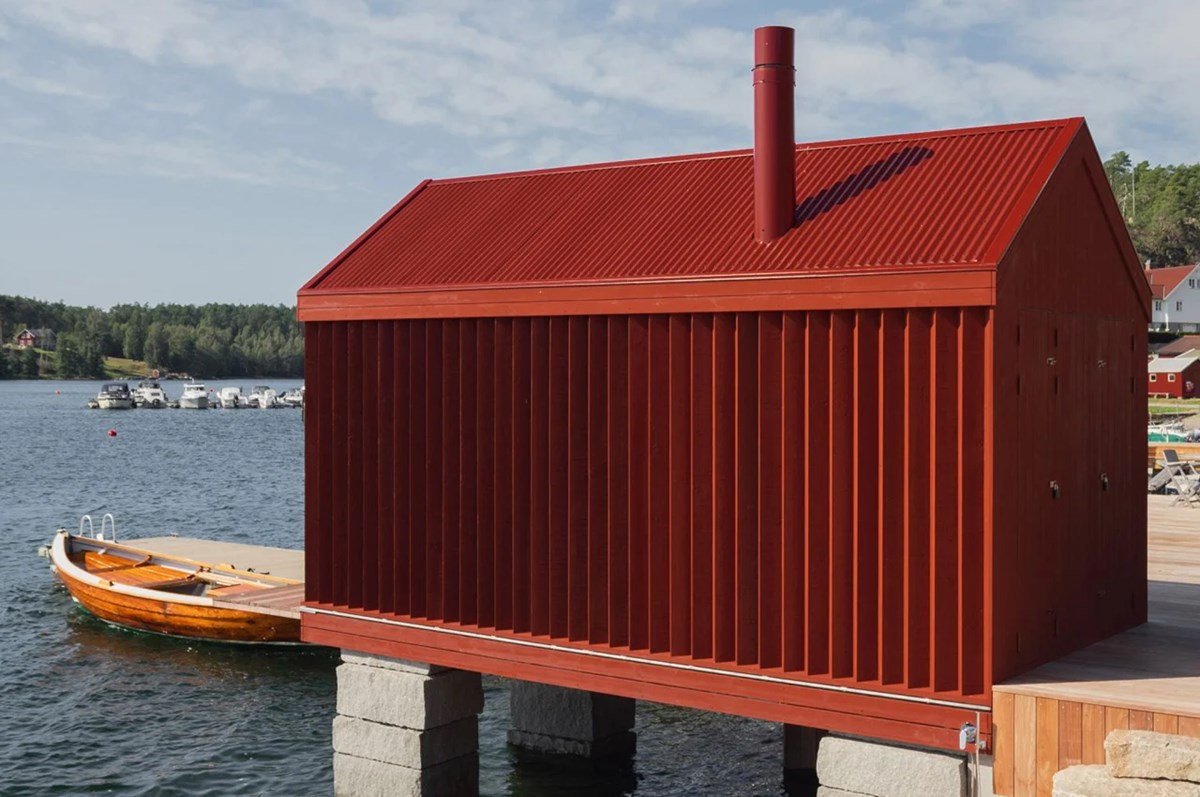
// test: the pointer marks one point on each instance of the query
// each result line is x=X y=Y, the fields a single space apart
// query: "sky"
x=179 y=151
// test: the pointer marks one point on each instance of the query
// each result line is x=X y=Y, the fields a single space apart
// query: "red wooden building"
x=658 y=429
x=1173 y=377
x=26 y=339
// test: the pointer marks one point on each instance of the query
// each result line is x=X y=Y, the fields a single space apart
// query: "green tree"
x=29 y=363
x=156 y=351
x=79 y=356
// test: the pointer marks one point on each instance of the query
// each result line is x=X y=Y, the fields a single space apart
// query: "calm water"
x=89 y=709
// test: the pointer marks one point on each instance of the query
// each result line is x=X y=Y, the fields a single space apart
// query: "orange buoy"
x=112 y=432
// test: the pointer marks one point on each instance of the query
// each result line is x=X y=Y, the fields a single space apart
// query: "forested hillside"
x=1161 y=205
x=206 y=341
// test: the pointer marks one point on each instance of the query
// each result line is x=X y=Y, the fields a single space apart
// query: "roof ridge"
x=802 y=146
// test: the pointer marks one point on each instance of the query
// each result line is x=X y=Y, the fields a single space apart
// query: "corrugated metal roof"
x=1170 y=365
x=920 y=201
x=1164 y=280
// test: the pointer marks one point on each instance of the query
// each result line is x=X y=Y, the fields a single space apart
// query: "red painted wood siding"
x=799 y=493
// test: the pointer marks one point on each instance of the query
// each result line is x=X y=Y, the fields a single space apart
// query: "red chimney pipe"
x=774 y=132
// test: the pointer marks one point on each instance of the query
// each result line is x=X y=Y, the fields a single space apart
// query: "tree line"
x=1161 y=206
x=211 y=340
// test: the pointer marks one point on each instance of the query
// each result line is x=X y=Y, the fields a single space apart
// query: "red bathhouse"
x=791 y=432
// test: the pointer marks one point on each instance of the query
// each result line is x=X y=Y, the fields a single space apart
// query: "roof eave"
x=957 y=285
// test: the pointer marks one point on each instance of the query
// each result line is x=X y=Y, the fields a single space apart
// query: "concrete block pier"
x=405 y=728
x=553 y=719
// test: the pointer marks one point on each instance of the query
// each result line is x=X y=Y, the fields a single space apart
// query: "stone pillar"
x=882 y=769
x=800 y=755
x=405 y=728
x=554 y=719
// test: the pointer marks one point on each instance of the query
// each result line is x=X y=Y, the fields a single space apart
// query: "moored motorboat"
x=194 y=397
x=263 y=397
x=136 y=586
x=293 y=397
x=149 y=395
x=115 y=396
x=231 y=398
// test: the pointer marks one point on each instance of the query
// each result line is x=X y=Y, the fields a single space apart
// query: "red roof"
x=928 y=201
x=1164 y=280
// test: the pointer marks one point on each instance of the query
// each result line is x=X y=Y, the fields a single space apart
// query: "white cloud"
x=179 y=159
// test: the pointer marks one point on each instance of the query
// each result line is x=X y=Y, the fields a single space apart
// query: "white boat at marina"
x=194 y=397
x=115 y=396
x=293 y=397
x=264 y=398
x=149 y=395
x=231 y=398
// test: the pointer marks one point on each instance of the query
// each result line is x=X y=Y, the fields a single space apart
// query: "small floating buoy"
x=58 y=392
x=112 y=432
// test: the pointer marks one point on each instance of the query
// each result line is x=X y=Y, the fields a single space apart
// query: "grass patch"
x=122 y=368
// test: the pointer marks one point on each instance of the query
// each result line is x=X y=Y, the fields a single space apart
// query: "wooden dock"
x=1145 y=678
x=286 y=563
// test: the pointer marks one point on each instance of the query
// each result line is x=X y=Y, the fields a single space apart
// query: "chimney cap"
x=774 y=44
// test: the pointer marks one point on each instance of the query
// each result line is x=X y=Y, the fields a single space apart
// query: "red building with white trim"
x=1174 y=377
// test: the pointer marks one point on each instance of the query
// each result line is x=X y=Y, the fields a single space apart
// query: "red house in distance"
x=804 y=433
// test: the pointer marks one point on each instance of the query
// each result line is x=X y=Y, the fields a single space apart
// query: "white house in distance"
x=1176 y=296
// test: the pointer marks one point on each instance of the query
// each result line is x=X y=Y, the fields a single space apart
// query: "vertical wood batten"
x=502 y=483
x=658 y=550
x=770 y=490
x=435 y=436
x=817 y=492
x=539 y=477
x=724 y=498
x=386 y=468
x=522 y=466
x=945 y=479
x=639 y=482
x=577 y=478
x=402 y=426
x=678 y=442
x=702 y=487
x=451 y=464
x=918 y=442
x=793 y=559
x=558 y=456
x=468 y=468
x=418 y=452
x=893 y=480
x=746 y=487
x=353 y=474
x=868 y=483
x=842 y=487
x=618 y=480
x=485 y=472
x=368 y=469
x=598 y=598
x=339 y=475
x=973 y=505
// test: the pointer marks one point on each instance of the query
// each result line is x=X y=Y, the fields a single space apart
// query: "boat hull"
x=182 y=616
x=110 y=403
x=193 y=403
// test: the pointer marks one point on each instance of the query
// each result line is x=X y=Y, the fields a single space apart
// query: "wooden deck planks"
x=283 y=562
x=279 y=601
x=1145 y=678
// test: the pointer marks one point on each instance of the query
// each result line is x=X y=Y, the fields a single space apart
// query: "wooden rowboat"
x=140 y=588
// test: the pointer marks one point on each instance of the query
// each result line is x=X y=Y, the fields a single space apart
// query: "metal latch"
x=967 y=734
